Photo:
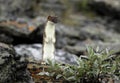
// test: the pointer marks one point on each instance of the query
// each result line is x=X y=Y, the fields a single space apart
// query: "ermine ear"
x=52 y=19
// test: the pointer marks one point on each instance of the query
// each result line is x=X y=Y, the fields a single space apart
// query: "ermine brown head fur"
x=52 y=19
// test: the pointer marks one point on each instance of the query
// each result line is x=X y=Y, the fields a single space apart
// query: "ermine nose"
x=53 y=19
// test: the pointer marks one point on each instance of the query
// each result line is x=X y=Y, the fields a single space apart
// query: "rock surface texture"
x=33 y=53
x=107 y=7
x=12 y=69
x=6 y=62
x=20 y=30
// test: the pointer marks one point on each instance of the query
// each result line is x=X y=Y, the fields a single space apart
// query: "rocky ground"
x=82 y=23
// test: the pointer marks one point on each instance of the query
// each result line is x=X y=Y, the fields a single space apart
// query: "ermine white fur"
x=49 y=41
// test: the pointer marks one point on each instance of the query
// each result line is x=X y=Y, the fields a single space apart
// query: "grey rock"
x=19 y=30
x=13 y=8
x=6 y=61
x=88 y=29
x=109 y=8
x=80 y=48
x=99 y=31
x=92 y=31
x=114 y=25
x=33 y=53
x=5 y=38
x=18 y=27
x=12 y=70
x=56 y=7
x=113 y=3
x=74 y=40
x=30 y=8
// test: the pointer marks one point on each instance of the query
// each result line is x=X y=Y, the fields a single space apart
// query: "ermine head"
x=52 y=19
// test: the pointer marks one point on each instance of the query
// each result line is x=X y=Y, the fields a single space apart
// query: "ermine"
x=49 y=39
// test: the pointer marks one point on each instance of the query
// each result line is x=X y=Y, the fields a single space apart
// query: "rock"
x=13 y=8
x=74 y=40
x=11 y=69
x=30 y=8
x=33 y=8
x=100 y=32
x=19 y=30
x=22 y=29
x=6 y=61
x=93 y=31
x=18 y=27
x=80 y=48
x=33 y=53
x=5 y=38
x=115 y=4
x=114 y=25
x=55 y=7
x=109 y=8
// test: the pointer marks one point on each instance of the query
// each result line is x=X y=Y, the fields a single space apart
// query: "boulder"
x=12 y=70
x=113 y=3
x=13 y=8
x=5 y=38
x=30 y=8
x=74 y=40
x=33 y=53
x=7 y=55
x=19 y=30
x=110 y=8
x=80 y=49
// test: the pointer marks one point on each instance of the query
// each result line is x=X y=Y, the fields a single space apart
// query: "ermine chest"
x=50 y=32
